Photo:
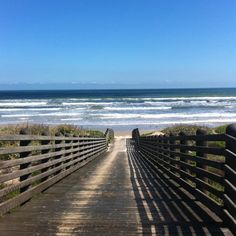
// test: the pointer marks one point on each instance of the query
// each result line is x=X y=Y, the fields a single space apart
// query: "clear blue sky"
x=161 y=43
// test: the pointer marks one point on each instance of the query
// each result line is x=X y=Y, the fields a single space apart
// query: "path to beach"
x=116 y=194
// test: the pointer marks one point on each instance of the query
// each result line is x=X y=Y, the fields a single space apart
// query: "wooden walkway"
x=115 y=194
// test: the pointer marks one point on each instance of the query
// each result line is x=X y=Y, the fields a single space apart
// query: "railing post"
x=45 y=142
x=137 y=136
x=58 y=134
x=166 y=154
x=77 y=146
x=24 y=143
x=83 y=145
x=158 y=143
x=201 y=143
x=107 y=137
x=183 y=150
x=230 y=145
x=173 y=156
x=68 y=148
x=155 y=145
x=229 y=185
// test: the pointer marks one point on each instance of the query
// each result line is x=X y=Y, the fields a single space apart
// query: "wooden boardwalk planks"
x=116 y=194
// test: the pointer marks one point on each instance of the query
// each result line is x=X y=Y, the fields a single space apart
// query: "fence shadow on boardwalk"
x=164 y=210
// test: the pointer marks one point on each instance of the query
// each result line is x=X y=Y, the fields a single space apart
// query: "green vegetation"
x=220 y=129
x=147 y=133
x=187 y=129
x=38 y=129
x=191 y=129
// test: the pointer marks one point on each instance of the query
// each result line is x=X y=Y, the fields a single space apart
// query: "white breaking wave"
x=154 y=98
x=17 y=115
x=41 y=115
x=170 y=115
x=183 y=98
x=130 y=123
x=22 y=104
x=85 y=103
x=184 y=103
x=136 y=108
x=86 y=99
x=121 y=111
x=72 y=119
x=31 y=109
x=130 y=116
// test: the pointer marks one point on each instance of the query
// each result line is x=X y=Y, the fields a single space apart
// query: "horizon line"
x=70 y=89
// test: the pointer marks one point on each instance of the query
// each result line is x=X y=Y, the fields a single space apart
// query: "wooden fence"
x=109 y=134
x=30 y=164
x=202 y=164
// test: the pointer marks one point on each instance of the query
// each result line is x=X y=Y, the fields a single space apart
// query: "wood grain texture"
x=185 y=160
x=119 y=193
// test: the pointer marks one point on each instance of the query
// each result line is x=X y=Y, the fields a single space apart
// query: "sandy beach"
x=127 y=133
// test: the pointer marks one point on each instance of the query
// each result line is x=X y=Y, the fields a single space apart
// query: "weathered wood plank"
x=18 y=173
x=117 y=194
x=44 y=138
x=33 y=179
x=44 y=147
x=23 y=197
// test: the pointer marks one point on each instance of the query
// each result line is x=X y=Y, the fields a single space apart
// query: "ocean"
x=120 y=109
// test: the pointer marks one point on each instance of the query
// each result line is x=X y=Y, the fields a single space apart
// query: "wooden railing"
x=202 y=164
x=109 y=134
x=30 y=164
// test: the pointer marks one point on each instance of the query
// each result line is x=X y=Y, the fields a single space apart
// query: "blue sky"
x=139 y=43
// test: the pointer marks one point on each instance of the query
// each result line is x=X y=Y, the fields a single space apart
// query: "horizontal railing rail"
x=203 y=164
x=29 y=164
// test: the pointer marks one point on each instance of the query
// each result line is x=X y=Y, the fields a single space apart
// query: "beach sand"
x=128 y=133
x=123 y=134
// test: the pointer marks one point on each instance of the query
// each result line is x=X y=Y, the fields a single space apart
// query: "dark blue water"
x=120 y=109
x=151 y=93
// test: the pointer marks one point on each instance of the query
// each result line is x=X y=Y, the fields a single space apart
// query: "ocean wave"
x=126 y=116
x=85 y=99
x=130 y=123
x=84 y=103
x=96 y=107
x=30 y=109
x=156 y=98
x=122 y=111
x=17 y=115
x=230 y=106
x=41 y=115
x=185 y=103
x=183 y=98
x=72 y=119
x=22 y=104
x=166 y=115
x=136 y=108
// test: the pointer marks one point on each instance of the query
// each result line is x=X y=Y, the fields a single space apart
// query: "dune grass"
x=38 y=129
